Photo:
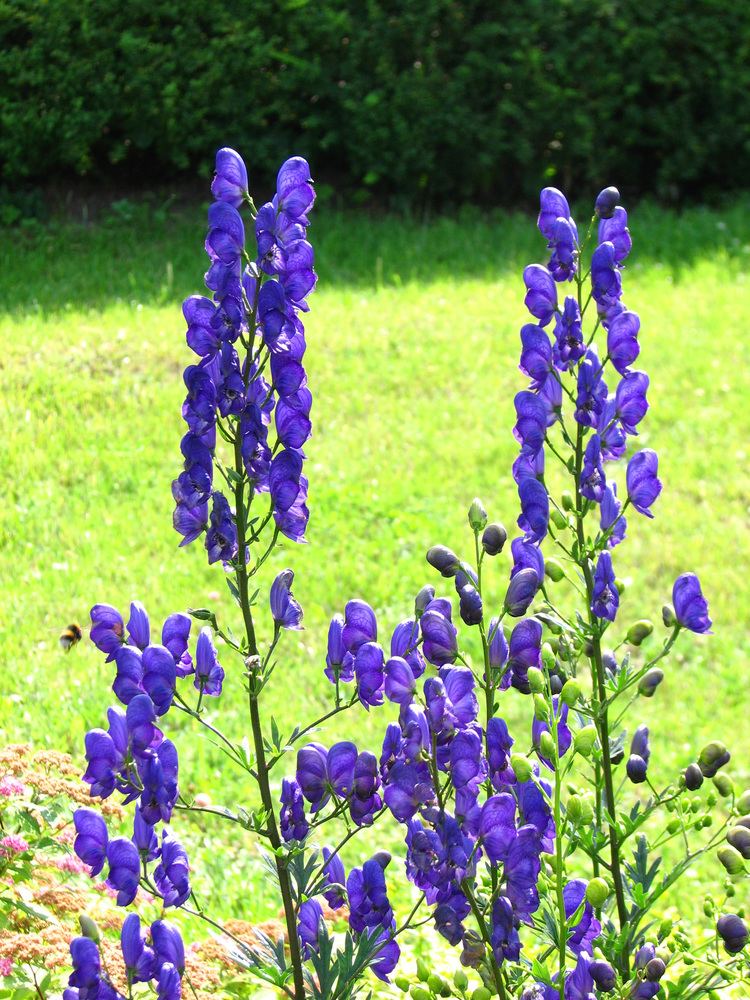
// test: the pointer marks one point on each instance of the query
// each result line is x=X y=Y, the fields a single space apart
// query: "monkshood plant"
x=534 y=857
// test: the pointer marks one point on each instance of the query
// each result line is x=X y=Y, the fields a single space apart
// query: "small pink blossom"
x=70 y=863
x=11 y=786
x=12 y=845
x=6 y=966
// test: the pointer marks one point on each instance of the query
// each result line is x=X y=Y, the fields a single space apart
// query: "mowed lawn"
x=412 y=359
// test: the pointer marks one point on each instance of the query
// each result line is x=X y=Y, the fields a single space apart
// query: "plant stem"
x=559 y=863
x=496 y=973
x=602 y=718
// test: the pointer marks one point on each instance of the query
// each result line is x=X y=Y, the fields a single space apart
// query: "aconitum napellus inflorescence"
x=525 y=849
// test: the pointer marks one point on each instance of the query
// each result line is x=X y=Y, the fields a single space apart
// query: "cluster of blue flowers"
x=257 y=301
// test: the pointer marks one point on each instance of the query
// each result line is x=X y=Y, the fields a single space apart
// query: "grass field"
x=413 y=343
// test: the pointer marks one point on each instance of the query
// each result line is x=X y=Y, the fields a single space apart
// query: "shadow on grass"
x=139 y=255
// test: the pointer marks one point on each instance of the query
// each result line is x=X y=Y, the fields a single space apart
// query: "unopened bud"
x=537 y=682
x=521 y=767
x=668 y=616
x=693 y=777
x=567 y=501
x=547 y=745
x=383 y=858
x=548 y=656
x=89 y=928
x=460 y=979
x=553 y=570
x=571 y=692
x=639 y=631
x=712 y=757
x=655 y=969
x=494 y=538
x=597 y=892
x=481 y=993
x=477 y=515
x=743 y=802
x=731 y=859
x=606 y=202
x=620 y=585
x=558 y=519
x=423 y=971
x=584 y=740
x=665 y=928
x=724 y=785
x=444 y=560
x=650 y=682
x=739 y=838
x=420 y=993
x=436 y=983
x=402 y=983
x=423 y=598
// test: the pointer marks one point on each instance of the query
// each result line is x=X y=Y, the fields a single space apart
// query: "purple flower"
x=605 y=203
x=610 y=431
x=140 y=961
x=564 y=737
x=139 y=629
x=468 y=768
x=221 y=537
x=563 y=243
x=541 y=293
x=209 y=674
x=497 y=826
x=606 y=280
x=399 y=681
x=285 y=609
x=168 y=945
x=159 y=677
x=86 y=968
x=312 y=774
x=534 y=518
x=506 y=944
x=365 y=800
x=292 y=820
x=309 y=926
x=587 y=928
x=610 y=515
x=525 y=651
x=225 y=239
x=531 y=421
x=690 y=606
x=536 y=354
x=335 y=877
x=91 y=839
x=158 y=775
x=340 y=763
x=614 y=229
x=339 y=662
x=360 y=625
x=568 y=347
x=174 y=636
x=497 y=645
x=369 y=672
x=107 y=629
x=553 y=205
x=295 y=194
x=526 y=556
x=521 y=871
x=169 y=985
x=630 y=399
x=124 y=869
x=499 y=745
x=409 y=787
x=644 y=485
x=368 y=898
x=640 y=754
x=536 y=810
x=128 y=682
x=144 y=837
x=404 y=643
x=521 y=591
x=230 y=180
x=605 y=597
x=593 y=480
x=172 y=874
x=440 y=644
x=622 y=340
x=592 y=390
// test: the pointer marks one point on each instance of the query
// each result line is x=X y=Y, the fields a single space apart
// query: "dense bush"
x=385 y=94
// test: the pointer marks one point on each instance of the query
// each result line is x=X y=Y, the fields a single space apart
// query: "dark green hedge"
x=416 y=99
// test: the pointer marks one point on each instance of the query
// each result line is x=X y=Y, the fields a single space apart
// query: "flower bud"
x=470 y=605
x=724 y=785
x=460 y=979
x=423 y=970
x=733 y=932
x=650 y=682
x=655 y=969
x=555 y=684
x=644 y=955
x=639 y=631
x=536 y=680
x=89 y=928
x=739 y=838
x=548 y=656
x=547 y=745
x=444 y=560
x=402 y=983
x=520 y=592
x=693 y=777
x=436 y=983
x=604 y=975
x=584 y=740
x=481 y=993
x=665 y=928
x=571 y=692
x=558 y=519
x=574 y=809
x=597 y=892
x=609 y=662
x=668 y=616
x=494 y=538
x=423 y=598
x=553 y=570
x=731 y=859
x=474 y=950
x=621 y=586
x=566 y=501
x=712 y=757
x=477 y=515
x=420 y=993
x=606 y=202
x=636 y=768
x=521 y=767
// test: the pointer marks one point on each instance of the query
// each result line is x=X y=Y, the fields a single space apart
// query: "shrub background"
x=414 y=100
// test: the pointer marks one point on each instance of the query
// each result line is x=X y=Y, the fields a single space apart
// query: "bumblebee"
x=70 y=636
